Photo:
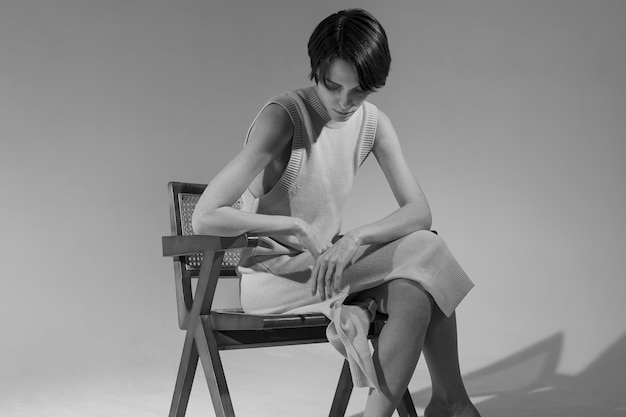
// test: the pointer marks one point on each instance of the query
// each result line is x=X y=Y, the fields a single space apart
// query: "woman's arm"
x=414 y=211
x=213 y=215
x=412 y=215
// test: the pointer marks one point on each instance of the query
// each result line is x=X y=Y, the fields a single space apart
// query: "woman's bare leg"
x=449 y=397
x=415 y=323
x=400 y=342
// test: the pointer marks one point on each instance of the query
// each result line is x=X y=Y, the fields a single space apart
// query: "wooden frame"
x=209 y=331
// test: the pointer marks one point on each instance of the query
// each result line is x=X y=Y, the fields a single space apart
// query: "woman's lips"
x=343 y=114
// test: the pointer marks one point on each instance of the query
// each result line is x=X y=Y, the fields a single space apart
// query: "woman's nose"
x=345 y=101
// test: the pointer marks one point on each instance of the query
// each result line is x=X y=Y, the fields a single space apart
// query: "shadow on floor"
x=526 y=384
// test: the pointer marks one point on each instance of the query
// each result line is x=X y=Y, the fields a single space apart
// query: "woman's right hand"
x=311 y=239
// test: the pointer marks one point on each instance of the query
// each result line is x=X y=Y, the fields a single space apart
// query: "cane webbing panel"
x=186 y=203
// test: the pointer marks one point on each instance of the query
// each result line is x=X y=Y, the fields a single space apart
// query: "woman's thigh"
x=398 y=297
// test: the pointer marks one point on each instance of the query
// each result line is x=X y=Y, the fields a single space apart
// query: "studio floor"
x=300 y=381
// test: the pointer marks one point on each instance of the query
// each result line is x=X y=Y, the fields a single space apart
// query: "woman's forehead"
x=342 y=72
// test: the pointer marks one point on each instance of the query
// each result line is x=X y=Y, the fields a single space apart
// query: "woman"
x=294 y=175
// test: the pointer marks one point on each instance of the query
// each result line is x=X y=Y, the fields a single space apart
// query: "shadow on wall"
x=527 y=384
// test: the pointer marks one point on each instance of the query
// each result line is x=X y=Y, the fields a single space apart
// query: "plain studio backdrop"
x=512 y=114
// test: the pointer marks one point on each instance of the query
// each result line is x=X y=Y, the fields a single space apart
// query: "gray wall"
x=512 y=115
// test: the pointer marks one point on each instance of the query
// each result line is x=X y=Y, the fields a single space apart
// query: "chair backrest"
x=183 y=200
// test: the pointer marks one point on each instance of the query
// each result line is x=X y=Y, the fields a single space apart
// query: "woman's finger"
x=338 y=274
x=318 y=279
x=328 y=280
x=321 y=281
x=314 y=272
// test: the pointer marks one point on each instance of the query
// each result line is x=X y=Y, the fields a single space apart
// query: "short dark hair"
x=356 y=36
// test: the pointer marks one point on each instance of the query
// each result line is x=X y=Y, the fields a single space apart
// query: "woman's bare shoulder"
x=385 y=133
x=272 y=128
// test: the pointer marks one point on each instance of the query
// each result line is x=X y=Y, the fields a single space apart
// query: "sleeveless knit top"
x=325 y=156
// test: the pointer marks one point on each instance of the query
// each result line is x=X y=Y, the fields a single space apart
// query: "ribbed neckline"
x=320 y=110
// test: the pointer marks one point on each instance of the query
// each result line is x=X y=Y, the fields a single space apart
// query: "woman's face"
x=341 y=93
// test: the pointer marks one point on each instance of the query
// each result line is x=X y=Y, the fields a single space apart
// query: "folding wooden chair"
x=207 y=258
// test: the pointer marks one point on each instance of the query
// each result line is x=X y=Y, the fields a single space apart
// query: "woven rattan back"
x=183 y=200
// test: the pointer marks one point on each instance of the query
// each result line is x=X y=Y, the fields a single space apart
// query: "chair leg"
x=406 y=408
x=343 y=392
x=213 y=370
x=184 y=380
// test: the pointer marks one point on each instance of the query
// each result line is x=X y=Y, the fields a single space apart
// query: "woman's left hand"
x=329 y=266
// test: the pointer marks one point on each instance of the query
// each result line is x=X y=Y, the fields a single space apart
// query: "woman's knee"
x=425 y=237
x=407 y=298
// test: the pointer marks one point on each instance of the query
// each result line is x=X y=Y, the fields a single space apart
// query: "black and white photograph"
x=219 y=208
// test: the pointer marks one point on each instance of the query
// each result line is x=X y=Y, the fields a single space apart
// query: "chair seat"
x=235 y=329
x=236 y=319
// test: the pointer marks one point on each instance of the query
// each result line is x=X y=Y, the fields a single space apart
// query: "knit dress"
x=325 y=157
